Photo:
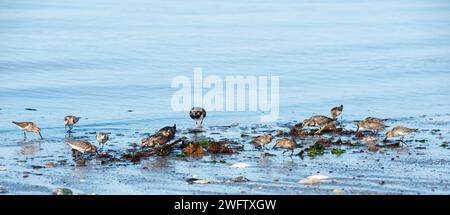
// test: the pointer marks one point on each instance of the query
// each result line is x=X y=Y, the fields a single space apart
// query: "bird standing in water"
x=70 y=121
x=371 y=123
x=262 y=140
x=320 y=121
x=82 y=146
x=102 y=138
x=286 y=143
x=399 y=131
x=28 y=127
x=336 y=111
x=163 y=136
x=198 y=114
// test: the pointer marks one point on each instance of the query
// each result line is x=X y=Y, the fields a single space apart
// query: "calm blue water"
x=100 y=59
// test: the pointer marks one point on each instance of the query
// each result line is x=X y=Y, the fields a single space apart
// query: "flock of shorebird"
x=164 y=135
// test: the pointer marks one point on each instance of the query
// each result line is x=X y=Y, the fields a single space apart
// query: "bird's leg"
x=201 y=123
x=24 y=135
x=284 y=152
x=319 y=131
x=292 y=152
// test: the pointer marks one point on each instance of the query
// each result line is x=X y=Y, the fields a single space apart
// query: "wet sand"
x=419 y=168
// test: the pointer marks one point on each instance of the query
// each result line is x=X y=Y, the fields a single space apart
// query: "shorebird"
x=262 y=140
x=28 y=127
x=371 y=123
x=70 y=121
x=102 y=138
x=163 y=136
x=320 y=121
x=82 y=146
x=198 y=114
x=286 y=143
x=399 y=131
x=336 y=111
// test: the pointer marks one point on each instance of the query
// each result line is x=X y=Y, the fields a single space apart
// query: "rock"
x=62 y=191
x=313 y=180
x=241 y=179
x=240 y=165
x=197 y=181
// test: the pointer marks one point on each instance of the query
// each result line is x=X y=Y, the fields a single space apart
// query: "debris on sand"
x=240 y=179
x=197 y=181
x=219 y=147
x=195 y=149
x=240 y=165
x=30 y=109
x=50 y=164
x=313 y=180
x=62 y=191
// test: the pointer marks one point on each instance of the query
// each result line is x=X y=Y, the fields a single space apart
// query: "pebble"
x=62 y=191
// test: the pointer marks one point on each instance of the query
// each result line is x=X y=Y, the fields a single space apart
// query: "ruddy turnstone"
x=262 y=140
x=336 y=111
x=371 y=123
x=70 y=121
x=163 y=136
x=320 y=121
x=198 y=114
x=102 y=138
x=400 y=132
x=286 y=143
x=28 y=127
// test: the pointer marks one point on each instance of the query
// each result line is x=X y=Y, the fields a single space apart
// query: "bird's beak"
x=274 y=146
x=357 y=128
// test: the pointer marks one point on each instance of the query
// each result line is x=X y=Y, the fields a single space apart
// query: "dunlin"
x=371 y=123
x=336 y=111
x=82 y=146
x=70 y=121
x=102 y=138
x=163 y=136
x=198 y=114
x=286 y=143
x=320 y=121
x=28 y=127
x=262 y=140
x=400 y=132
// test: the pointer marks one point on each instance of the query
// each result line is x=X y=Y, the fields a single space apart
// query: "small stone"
x=62 y=191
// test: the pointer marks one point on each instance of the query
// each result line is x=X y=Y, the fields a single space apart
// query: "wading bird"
x=399 y=131
x=371 y=123
x=263 y=140
x=286 y=143
x=336 y=111
x=102 y=138
x=163 y=136
x=320 y=121
x=70 y=121
x=198 y=114
x=28 y=127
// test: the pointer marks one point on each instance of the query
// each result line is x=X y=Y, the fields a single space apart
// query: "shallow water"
x=99 y=60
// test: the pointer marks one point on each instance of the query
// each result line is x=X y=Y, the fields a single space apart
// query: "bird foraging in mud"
x=70 y=121
x=198 y=114
x=82 y=146
x=336 y=111
x=102 y=138
x=262 y=140
x=161 y=137
x=28 y=127
x=320 y=121
x=371 y=123
x=286 y=143
x=400 y=132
